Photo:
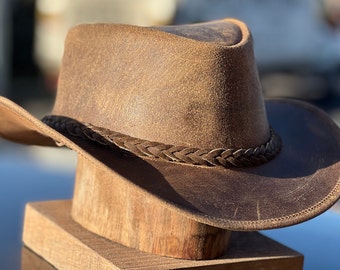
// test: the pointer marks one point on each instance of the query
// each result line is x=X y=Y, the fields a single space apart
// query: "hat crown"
x=196 y=87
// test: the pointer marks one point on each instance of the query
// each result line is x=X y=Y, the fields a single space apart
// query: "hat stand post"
x=110 y=225
x=109 y=206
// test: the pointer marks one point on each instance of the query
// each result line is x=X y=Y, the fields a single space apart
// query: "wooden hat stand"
x=110 y=225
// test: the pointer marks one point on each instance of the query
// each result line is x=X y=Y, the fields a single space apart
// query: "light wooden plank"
x=51 y=233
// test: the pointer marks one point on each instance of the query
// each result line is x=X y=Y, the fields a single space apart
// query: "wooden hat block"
x=110 y=225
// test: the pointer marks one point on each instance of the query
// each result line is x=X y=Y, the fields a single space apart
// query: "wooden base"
x=51 y=233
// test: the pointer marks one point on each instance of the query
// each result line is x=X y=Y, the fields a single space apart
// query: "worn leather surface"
x=157 y=86
x=196 y=93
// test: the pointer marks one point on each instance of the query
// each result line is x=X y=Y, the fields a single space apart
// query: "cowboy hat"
x=178 y=113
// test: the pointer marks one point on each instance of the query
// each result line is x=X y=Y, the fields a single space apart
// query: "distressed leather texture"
x=196 y=86
x=162 y=87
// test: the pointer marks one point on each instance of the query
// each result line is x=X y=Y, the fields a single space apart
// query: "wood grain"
x=51 y=233
x=107 y=205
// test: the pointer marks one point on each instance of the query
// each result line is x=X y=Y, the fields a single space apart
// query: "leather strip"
x=182 y=154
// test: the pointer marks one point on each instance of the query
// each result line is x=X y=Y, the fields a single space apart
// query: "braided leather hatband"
x=143 y=148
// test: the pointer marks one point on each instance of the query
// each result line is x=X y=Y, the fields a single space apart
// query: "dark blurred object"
x=22 y=35
x=4 y=46
x=25 y=80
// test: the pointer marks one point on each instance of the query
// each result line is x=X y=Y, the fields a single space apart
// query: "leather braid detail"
x=182 y=154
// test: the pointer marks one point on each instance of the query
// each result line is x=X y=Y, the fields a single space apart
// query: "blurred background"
x=297 y=47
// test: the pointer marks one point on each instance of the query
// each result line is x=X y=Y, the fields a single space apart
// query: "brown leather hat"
x=177 y=113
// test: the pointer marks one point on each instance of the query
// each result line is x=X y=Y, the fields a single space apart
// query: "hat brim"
x=300 y=183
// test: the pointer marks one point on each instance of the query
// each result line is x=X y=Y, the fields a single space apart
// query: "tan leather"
x=156 y=85
x=162 y=87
